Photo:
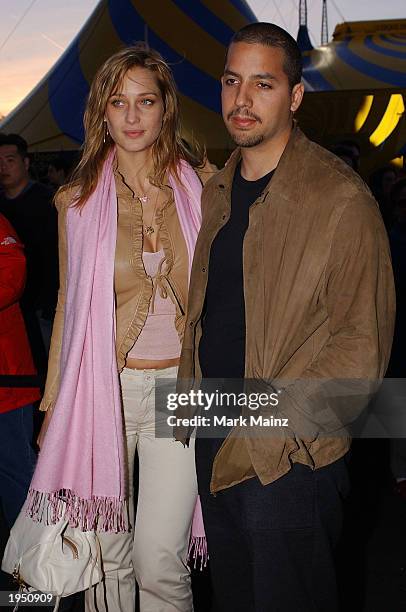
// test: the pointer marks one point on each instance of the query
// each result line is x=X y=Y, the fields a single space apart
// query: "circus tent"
x=356 y=88
x=362 y=55
x=192 y=37
x=355 y=85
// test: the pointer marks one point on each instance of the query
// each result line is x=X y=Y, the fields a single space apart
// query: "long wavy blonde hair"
x=167 y=150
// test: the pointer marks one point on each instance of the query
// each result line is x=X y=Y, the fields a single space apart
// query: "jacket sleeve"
x=12 y=271
x=52 y=382
x=360 y=303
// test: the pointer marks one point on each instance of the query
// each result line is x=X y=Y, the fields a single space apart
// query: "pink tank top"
x=158 y=338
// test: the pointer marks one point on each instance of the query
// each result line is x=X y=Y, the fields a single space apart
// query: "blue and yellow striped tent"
x=362 y=55
x=191 y=35
x=356 y=88
x=356 y=84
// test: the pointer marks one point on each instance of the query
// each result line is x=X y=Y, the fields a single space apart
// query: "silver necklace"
x=148 y=229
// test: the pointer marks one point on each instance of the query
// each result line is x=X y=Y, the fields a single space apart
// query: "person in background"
x=397 y=364
x=17 y=457
x=355 y=151
x=28 y=206
x=347 y=155
x=397 y=240
x=58 y=172
x=381 y=182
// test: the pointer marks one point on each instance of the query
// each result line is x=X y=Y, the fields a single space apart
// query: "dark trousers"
x=17 y=459
x=272 y=547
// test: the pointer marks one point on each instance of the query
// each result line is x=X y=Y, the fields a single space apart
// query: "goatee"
x=244 y=140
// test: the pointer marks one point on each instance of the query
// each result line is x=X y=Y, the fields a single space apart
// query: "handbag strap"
x=58 y=601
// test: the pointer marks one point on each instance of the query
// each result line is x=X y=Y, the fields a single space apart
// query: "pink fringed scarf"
x=187 y=200
x=189 y=213
x=82 y=457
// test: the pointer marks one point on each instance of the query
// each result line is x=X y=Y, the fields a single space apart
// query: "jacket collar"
x=288 y=175
x=124 y=190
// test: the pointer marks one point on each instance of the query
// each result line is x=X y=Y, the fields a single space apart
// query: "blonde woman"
x=128 y=223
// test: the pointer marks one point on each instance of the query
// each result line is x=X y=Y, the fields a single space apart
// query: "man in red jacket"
x=17 y=457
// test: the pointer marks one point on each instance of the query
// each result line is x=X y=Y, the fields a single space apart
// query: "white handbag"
x=55 y=559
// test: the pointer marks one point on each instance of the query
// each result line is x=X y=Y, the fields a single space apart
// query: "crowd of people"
x=275 y=270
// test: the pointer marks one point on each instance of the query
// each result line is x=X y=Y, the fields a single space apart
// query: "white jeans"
x=154 y=552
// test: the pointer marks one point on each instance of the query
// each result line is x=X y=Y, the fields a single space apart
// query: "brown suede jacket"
x=133 y=288
x=320 y=306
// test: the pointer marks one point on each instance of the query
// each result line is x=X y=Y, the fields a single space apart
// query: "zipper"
x=71 y=544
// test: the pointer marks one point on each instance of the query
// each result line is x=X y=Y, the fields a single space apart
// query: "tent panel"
x=394 y=27
x=244 y=9
x=91 y=53
x=381 y=47
x=362 y=55
x=68 y=89
x=56 y=142
x=374 y=58
x=228 y=14
x=209 y=130
x=339 y=73
x=367 y=68
x=194 y=37
x=35 y=122
x=312 y=74
x=394 y=40
x=206 y=19
x=190 y=80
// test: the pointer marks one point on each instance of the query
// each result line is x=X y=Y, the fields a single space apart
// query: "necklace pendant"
x=143 y=199
x=149 y=230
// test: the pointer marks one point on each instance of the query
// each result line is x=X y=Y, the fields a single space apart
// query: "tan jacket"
x=320 y=306
x=133 y=288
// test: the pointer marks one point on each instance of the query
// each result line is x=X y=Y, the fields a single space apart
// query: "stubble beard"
x=243 y=139
x=247 y=141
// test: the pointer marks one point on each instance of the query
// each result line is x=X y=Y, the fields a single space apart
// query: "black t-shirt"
x=222 y=346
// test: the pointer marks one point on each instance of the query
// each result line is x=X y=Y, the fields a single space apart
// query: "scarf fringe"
x=98 y=513
x=198 y=548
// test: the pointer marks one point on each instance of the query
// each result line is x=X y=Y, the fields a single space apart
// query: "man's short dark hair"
x=18 y=141
x=271 y=35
